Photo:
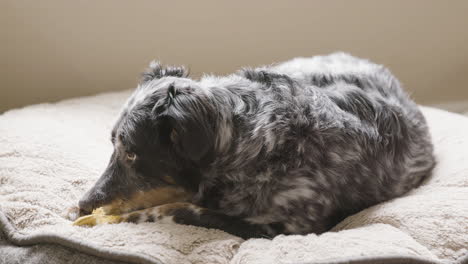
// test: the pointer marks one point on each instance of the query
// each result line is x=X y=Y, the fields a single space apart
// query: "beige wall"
x=58 y=49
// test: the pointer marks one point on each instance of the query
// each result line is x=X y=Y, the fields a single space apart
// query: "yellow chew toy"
x=97 y=217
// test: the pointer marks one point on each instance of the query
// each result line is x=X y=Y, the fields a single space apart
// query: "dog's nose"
x=86 y=206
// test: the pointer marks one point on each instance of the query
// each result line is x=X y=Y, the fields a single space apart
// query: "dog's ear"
x=186 y=123
x=156 y=71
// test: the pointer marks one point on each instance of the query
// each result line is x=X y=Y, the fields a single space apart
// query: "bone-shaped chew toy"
x=97 y=217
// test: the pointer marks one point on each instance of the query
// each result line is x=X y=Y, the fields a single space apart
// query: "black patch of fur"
x=150 y=219
x=212 y=219
x=133 y=218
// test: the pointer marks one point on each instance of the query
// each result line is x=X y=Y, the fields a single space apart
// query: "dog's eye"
x=131 y=156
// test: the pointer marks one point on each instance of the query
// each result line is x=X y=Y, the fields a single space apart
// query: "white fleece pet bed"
x=51 y=153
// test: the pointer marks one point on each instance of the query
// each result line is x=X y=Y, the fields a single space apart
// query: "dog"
x=291 y=148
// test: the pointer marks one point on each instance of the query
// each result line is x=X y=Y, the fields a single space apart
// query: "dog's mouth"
x=142 y=200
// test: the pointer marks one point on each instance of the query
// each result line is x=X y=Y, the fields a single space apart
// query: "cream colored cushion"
x=51 y=153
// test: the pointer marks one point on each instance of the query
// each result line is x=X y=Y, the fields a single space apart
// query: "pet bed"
x=51 y=153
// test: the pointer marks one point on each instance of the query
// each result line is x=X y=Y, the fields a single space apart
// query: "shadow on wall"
x=60 y=49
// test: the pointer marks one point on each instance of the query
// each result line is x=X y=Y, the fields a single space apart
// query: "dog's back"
x=371 y=93
x=330 y=135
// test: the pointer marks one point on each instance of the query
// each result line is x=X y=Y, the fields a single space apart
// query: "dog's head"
x=162 y=138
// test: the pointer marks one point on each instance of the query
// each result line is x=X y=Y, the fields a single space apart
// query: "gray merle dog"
x=291 y=148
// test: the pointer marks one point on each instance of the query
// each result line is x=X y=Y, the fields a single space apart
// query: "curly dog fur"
x=291 y=148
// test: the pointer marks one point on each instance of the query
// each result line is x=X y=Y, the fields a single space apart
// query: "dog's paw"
x=181 y=213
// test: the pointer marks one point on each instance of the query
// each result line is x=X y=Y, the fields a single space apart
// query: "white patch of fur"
x=224 y=136
x=336 y=63
x=270 y=140
x=262 y=219
x=285 y=197
x=335 y=157
x=159 y=217
x=196 y=209
x=300 y=147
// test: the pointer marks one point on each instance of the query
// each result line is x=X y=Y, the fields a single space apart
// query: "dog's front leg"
x=181 y=213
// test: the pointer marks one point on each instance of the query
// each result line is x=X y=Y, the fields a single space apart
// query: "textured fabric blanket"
x=51 y=153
